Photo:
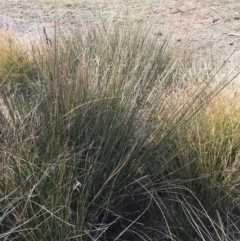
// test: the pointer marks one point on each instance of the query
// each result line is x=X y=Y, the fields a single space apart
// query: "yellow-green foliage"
x=207 y=157
x=15 y=60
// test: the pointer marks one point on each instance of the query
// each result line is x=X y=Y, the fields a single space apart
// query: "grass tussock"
x=109 y=138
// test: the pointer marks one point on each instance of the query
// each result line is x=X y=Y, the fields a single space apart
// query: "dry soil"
x=209 y=27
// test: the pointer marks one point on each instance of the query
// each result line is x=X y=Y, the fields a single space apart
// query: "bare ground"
x=207 y=27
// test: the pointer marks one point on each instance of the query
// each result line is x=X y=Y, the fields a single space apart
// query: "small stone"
x=159 y=33
x=215 y=20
